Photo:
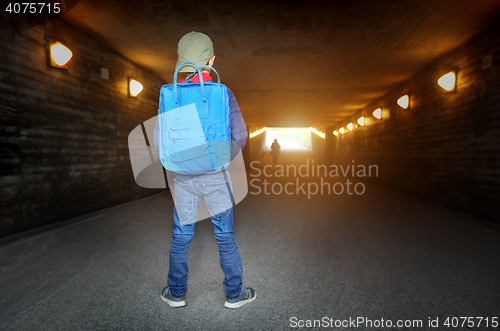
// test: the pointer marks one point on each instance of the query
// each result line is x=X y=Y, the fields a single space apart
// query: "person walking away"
x=275 y=151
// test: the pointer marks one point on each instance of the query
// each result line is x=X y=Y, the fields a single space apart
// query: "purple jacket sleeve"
x=238 y=127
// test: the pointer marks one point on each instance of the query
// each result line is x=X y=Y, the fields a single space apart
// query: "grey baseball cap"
x=194 y=47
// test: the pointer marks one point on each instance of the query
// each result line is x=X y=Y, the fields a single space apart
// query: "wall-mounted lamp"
x=335 y=133
x=59 y=54
x=134 y=87
x=256 y=133
x=448 y=81
x=341 y=130
x=350 y=127
x=361 y=121
x=318 y=133
x=404 y=101
x=377 y=113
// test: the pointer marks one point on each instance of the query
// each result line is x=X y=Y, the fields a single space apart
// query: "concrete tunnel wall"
x=445 y=148
x=64 y=132
x=318 y=146
x=255 y=147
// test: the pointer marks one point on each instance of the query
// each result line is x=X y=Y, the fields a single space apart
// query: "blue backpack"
x=195 y=126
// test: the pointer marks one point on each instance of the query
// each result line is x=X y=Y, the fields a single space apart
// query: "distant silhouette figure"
x=275 y=150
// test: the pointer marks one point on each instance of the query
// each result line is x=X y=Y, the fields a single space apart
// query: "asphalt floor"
x=323 y=261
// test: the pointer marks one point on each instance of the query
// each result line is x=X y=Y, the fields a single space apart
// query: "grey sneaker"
x=247 y=295
x=172 y=301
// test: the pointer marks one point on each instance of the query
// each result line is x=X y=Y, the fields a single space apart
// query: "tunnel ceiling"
x=292 y=63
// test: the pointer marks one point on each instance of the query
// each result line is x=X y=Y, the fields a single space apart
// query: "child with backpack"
x=195 y=141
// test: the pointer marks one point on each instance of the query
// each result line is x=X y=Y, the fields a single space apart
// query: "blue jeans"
x=189 y=192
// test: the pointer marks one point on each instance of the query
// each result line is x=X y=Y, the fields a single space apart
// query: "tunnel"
x=364 y=193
